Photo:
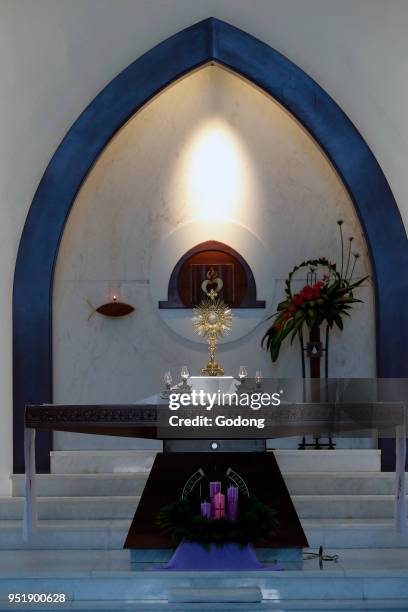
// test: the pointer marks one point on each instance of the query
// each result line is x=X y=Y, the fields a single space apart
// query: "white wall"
x=55 y=55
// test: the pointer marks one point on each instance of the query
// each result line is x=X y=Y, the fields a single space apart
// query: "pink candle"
x=218 y=506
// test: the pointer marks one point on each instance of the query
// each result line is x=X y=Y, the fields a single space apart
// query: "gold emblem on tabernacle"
x=212 y=318
x=211 y=281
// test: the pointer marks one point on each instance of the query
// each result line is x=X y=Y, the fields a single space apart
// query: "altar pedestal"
x=259 y=470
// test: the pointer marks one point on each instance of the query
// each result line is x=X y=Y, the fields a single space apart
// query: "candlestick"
x=167 y=378
x=258 y=379
x=242 y=374
x=206 y=510
x=218 y=506
x=184 y=375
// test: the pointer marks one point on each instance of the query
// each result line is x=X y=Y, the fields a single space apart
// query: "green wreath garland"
x=256 y=521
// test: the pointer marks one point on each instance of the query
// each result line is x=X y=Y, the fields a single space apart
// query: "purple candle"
x=215 y=487
x=206 y=510
x=232 y=498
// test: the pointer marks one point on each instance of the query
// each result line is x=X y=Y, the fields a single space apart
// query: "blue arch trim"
x=209 y=40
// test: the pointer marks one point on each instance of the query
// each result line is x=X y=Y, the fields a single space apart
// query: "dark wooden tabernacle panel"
x=239 y=287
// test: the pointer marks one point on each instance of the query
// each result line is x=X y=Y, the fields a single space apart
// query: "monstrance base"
x=212 y=370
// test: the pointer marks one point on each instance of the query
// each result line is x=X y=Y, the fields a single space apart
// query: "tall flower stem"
x=348 y=257
x=340 y=223
x=356 y=256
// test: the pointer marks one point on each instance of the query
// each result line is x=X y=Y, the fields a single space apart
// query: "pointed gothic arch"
x=210 y=40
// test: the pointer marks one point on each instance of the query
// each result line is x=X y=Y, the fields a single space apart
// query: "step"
x=88 y=485
x=110 y=534
x=353 y=533
x=341 y=483
x=345 y=506
x=91 y=462
x=298 y=483
x=112 y=579
x=339 y=460
x=123 y=507
x=95 y=534
x=75 y=508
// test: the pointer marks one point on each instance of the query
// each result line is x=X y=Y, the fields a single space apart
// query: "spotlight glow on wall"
x=214 y=173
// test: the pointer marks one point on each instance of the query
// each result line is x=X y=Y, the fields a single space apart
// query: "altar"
x=201 y=455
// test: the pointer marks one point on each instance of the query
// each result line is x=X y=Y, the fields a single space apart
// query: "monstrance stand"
x=212 y=318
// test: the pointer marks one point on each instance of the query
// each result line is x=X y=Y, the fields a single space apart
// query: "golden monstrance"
x=212 y=318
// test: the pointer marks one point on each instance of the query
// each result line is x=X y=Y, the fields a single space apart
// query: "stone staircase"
x=344 y=501
x=89 y=499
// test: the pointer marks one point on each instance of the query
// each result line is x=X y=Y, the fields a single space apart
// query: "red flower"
x=286 y=315
x=307 y=293
x=292 y=309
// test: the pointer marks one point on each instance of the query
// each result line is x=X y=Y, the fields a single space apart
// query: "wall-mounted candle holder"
x=114 y=308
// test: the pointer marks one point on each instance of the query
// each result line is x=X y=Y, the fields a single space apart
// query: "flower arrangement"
x=325 y=299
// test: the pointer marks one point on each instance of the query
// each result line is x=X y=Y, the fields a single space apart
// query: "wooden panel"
x=194 y=272
x=239 y=287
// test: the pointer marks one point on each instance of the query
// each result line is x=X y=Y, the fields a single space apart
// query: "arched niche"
x=212 y=253
x=208 y=41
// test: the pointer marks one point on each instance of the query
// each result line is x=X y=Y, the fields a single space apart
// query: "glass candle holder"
x=168 y=379
x=242 y=374
x=184 y=374
x=258 y=378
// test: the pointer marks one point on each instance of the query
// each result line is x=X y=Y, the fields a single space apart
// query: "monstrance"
x=212 y=318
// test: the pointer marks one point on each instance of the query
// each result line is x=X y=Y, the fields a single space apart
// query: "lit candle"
x=242 y=374
x=232 y=498
x=218 y=505
x=167 y=379
x=184 y=373
x=258 y=378
x=206 y=510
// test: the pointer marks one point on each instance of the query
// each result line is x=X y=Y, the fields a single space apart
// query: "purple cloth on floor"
x=191 y=556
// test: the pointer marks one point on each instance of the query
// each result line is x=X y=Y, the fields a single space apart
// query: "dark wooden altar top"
x=127 y=420
x=149 y=420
